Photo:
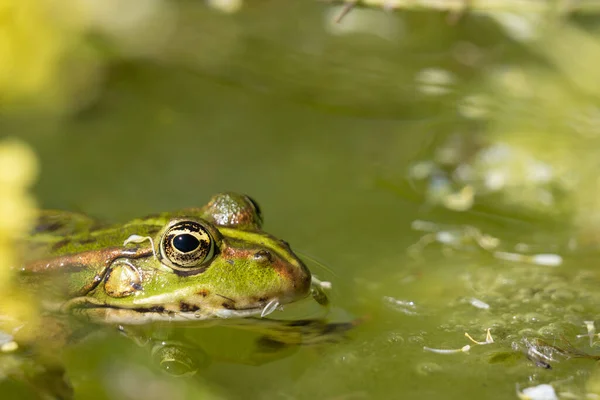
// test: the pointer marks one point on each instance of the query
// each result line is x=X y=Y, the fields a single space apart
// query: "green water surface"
x=320 y=130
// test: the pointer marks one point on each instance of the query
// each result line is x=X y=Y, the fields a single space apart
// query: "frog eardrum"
x=185 y=245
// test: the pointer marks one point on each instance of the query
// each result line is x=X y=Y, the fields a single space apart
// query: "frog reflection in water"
x=212 y=263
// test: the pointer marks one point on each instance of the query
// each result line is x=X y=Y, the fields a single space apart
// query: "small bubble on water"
x=428 y=368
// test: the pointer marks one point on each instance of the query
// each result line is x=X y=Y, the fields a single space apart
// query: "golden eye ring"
x=186 y=245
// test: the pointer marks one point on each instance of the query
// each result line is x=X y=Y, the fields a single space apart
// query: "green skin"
x=121 y=274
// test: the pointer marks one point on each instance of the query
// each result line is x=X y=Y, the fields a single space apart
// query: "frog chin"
x=250 y=312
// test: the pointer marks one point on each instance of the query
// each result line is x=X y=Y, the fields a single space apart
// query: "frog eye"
x=187 y=244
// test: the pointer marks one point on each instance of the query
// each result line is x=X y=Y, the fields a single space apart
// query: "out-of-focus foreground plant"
x=18 y=170
x=52 y=58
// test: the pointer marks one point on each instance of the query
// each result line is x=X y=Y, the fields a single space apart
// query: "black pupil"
x=186 y=242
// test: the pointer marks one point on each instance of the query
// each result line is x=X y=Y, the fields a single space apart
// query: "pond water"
x=321 y=128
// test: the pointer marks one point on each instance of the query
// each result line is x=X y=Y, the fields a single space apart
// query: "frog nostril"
x=263 y=255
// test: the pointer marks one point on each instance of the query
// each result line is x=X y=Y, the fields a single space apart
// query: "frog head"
x=197 y=263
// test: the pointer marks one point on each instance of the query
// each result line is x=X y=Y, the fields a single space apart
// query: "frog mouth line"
x=265 y=310
x=142 y=315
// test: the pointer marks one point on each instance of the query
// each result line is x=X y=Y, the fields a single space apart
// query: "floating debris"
x=591 y=332
x=465 y=171
x=405 y=307
x=457 y=238
x=535 y=352
x=478 y=304
x=322 y=284
x=317 y=290
x=463 y=237
x=488 y=338
x=548 y=260
x=539 y=392
x=465 y=349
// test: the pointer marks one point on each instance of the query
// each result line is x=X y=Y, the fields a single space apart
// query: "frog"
x=194 y=264
x=211 y=265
